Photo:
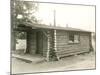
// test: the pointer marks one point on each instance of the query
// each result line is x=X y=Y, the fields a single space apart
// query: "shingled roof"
x=43 y=26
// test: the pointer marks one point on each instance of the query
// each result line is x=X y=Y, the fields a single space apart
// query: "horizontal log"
x=69 y=45
x=66 y=49
x=60 y=37
x=62 y=43
x=71 y=53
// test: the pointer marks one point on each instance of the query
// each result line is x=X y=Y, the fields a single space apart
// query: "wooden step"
x=29 y=58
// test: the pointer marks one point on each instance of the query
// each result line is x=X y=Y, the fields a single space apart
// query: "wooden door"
x=39 y=43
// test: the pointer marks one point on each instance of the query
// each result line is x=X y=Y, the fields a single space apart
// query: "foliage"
x=22 y=11
x=52 y=55
x=20 y=35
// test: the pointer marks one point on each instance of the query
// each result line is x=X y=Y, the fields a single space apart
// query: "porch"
x=29 y=58
x=39 y=41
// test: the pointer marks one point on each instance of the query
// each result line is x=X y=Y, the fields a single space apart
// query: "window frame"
x=71 y=33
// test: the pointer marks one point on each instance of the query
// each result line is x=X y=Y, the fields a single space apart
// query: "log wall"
x=64 y=48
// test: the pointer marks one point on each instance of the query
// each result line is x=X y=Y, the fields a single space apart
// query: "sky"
x=76 y=16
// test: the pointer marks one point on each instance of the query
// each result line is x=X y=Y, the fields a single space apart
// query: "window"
x=73 y=38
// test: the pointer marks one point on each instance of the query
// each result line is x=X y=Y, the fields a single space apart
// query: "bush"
x=52 y=55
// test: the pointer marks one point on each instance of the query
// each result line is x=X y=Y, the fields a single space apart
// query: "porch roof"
x=43 y=26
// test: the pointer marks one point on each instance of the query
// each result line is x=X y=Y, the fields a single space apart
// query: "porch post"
x=27 y=41
x=13 y=40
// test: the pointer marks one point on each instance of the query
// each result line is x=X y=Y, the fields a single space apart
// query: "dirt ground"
x=78 y=62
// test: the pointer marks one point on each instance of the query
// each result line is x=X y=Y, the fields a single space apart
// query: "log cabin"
x=41 y=39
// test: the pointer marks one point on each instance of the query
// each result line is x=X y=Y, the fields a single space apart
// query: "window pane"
x=76 y=38
x=71 y=38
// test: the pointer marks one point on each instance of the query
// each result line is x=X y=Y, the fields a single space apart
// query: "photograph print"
x=52 y=37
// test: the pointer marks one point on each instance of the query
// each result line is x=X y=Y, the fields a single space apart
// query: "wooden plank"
x=71 y=53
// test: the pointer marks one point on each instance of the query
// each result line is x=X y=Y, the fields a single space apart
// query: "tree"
x=21 y=11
